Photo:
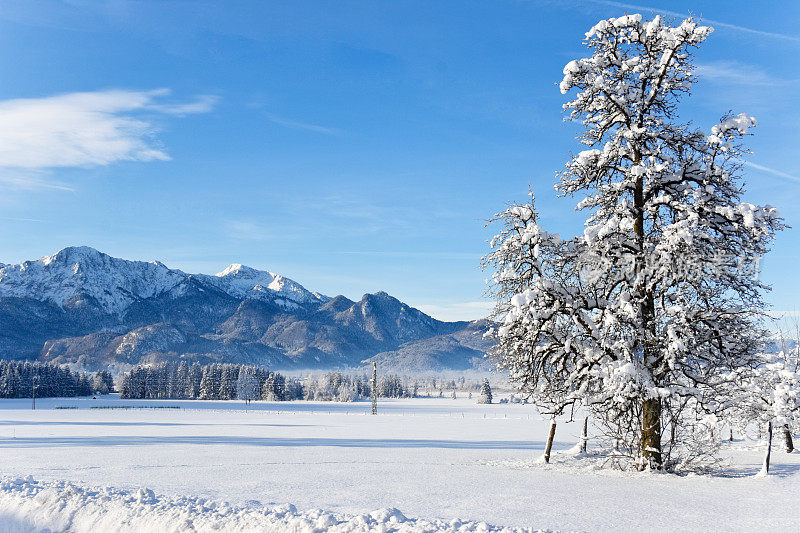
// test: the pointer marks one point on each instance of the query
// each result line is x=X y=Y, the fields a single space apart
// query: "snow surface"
x=433 y=459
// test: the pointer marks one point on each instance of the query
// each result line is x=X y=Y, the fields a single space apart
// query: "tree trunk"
x=672 y=429
x=730 y=438
x=585 y=434
x=550 y=440
x=651 y=407
x=651 y=432
x=787 y=436
x=765 y=467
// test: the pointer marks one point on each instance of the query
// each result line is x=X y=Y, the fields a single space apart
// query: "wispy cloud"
x=82 y=130
x=350 y=206
x=738 y=73
x=201 y=104
x=29 y=180
x=457 y=310
x=772 y=171
x=296 y=125
x=246 y=230
x=408 y=254
x=778 y=313
x=21 y=219
x=358 y=213
x=785 y=324
x=716 y=23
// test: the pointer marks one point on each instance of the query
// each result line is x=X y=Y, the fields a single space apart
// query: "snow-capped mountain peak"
x=77 y=272
x=240 y=270
x=81 y=271
x=70 y=254
x=247 y=282
x=83 y=307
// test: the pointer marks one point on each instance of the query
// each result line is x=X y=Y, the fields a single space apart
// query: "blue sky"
x=351 y=146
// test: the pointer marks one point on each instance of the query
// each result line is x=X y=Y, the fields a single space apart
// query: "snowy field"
x=443 y=463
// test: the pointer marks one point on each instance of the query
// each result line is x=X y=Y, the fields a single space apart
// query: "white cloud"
x=457 y=311
x=82 y=130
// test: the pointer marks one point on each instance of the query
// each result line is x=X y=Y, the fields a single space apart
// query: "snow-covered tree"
x=227 y=382
x=178 y=382
x=770 y=397
x=272 y=389
x=208 y=387
x=193 y=380
x=102 y=382
x=486 y=392
x=655 y=304
x=247 y=386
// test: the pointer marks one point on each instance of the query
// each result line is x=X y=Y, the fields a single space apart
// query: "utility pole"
x=585 y=434
x=374 y=388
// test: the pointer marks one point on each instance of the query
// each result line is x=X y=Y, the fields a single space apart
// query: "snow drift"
x=27 y=505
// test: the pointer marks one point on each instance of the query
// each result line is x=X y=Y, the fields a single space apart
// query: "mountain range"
x=93 y=311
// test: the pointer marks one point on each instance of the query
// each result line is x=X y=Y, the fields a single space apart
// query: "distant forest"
x=19 y=379
x=217 y=381
x=220 y=381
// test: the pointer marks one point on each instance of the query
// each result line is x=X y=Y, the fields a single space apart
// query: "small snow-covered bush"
x=486 y=392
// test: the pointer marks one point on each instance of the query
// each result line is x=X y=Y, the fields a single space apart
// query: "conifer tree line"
x=218 y=381
x=439 y=384
x=349 y=386
x=18 y=378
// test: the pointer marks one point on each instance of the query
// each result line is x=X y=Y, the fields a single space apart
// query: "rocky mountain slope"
x=86 y=308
